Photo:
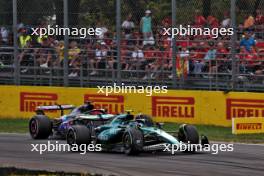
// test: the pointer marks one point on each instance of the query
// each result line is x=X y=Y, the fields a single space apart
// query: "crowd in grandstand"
x=144 y=47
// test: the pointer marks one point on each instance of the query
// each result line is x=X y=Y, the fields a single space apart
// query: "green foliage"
x=218 y=133
x=6 y=12
x=14 y=125
x=90 y=12
x=31 y=11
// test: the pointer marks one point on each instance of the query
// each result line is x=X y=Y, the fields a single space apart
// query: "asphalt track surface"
x=15 y=150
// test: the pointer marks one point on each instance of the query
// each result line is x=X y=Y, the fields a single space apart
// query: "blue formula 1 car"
x=42 y=127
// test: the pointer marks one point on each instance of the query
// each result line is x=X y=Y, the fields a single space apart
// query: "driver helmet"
x=145 y=118
x=88 y=106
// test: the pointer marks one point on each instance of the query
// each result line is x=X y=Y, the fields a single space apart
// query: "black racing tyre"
x=40 y=127
x=133 y=141
x=78 y=134
x=188 y=134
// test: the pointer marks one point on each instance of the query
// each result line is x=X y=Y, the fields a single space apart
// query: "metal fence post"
x=118 y=40
x=66 y=44
x=15 y=45
x=233 y=43
x=174 y=47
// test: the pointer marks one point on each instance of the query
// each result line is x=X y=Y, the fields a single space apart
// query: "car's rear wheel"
x=40 y=127
x=188 y=134
x=133 y=141
x=78 y=134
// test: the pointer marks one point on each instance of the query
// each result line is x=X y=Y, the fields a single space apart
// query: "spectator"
x=226 y=21
x=199 y=19
x=74 y=59
x=183 y=63
x=4 y=35
x=27 y=56
x=241 y=56
x=259 y=20
x=60 y=53
x=138 y=55
x=100 y=54
x=248 y=41
x=166 y=22
x=211 y=53
x=74 y=51
x=212 y=22
x=136 y=39
x=184 y=53
x=24 y=38
x=111 y=55
x=129 y=61
x=199 y=50
x=210 y=58
x=249 y=22
x=166 y=42
x=223 y=64
x=89 y=53
x=252 y=57
x=248 y=60
x=150 y=56
x=135 y=57
x=221 y=51
x=198 y=54
x=146 y=29
x=198 y=67
x=128 y=26
x=45 y=55
x=124 y=57
x=104 y=30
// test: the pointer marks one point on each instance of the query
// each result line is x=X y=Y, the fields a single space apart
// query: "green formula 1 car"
x=128 y=133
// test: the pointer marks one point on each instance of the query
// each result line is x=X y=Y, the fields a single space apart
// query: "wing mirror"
x=160 y=125
x=204 y=140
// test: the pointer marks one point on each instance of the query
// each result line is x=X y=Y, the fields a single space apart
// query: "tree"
x=206 y=8
x=31 y=12
x=6 y=12
x=59 y=12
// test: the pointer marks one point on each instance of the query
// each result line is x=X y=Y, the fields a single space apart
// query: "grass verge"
x=13 y=125
x=217 y=133
x=214 y=133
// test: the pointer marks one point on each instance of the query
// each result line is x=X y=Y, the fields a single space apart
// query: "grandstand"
x=126 y=52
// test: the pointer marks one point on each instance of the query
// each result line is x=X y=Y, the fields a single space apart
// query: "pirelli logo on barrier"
x=176 y=107
x=240 y=108
x=29 y=101
x=113 y=103
x=249 y=126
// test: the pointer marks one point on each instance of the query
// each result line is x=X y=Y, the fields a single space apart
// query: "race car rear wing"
x=41 y=109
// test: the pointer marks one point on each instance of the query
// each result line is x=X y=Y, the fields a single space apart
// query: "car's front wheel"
x=188 y=134
x=78 y=134
x=133 y=141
